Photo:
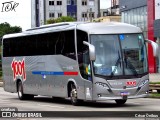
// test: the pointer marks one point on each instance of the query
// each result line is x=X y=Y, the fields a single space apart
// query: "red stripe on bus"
x=70 y=73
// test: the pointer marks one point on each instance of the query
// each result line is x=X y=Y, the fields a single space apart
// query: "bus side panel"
x=51 y=74
x=33 y=84
x=42 y=75
x=9 y=84
x=57 y=84
x=20 y=68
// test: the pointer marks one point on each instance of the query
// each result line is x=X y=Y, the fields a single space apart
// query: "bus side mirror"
x=92 y=53
x=154 y=46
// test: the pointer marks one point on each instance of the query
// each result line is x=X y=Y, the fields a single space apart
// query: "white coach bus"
x=80 y=61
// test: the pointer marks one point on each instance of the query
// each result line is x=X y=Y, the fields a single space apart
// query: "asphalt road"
x=42 y=103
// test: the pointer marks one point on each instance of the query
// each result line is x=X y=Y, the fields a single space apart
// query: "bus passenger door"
x=84 y=66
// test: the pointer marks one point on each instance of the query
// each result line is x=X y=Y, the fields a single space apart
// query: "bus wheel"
x=21 y=96
x=120 y=102
x=73 y=95
x=29 y=97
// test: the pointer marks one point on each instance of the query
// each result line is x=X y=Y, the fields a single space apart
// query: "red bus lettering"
x=18 y=68
x=131 y=83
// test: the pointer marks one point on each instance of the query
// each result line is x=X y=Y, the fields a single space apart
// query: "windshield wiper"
x=114 y=70
x=132 y=68
x=117 y=62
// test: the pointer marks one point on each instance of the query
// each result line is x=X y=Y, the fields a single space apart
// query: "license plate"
x=124 y=93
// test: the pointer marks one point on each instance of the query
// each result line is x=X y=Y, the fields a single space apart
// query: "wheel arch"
x=17 y=81
x=70 y=81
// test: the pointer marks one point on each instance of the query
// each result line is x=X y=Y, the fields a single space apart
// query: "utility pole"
x=99 y=13
x=111 y=6
x=90 y=14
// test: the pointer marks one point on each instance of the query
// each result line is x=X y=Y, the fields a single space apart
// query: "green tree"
x=61 y=19
x=6 y=28
x=51 y=21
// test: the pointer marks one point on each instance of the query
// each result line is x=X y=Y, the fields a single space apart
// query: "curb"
x=153 y=97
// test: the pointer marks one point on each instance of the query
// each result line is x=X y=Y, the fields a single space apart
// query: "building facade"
x=135 y=12
x=38 y=14
x=81 y=10
x=115 y=7
x=113 y=10
x=146 y=15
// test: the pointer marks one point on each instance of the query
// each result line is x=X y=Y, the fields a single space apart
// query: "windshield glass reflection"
x=119 y=54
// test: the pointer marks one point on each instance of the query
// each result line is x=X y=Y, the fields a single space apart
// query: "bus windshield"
x=117 y=55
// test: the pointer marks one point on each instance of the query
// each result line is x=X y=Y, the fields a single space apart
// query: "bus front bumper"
x=101 y=98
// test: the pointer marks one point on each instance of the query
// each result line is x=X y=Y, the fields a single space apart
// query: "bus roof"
x=108 y=28
x=91 y=28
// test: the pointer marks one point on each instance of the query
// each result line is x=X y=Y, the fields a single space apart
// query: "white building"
x=87 y=9
x=81 y=10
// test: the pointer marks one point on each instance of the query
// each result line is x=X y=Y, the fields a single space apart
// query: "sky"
x=20 y=15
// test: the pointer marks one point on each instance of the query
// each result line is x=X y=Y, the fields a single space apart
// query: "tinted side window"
x=42 y=44
x=83 y=55
x=65 y=44
x=69 y=45
x=6 y=47
x=19 y=46
x=29 y=47
x=45 y=44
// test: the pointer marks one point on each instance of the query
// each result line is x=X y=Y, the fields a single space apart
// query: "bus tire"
x=57 y=99
x=73 y=95
x=29 y=97
x=21 y=95
x=120 y=102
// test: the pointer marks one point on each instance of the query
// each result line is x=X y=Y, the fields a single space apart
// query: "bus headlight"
x=143 y=83
x=104 y=85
